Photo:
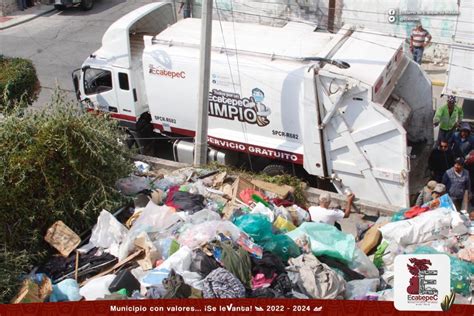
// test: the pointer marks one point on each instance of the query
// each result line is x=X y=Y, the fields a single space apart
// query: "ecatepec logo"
x=422 y=282
x=154 y=70
x=232 y=106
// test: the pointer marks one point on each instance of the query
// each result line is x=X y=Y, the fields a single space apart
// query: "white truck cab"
x=349 y=107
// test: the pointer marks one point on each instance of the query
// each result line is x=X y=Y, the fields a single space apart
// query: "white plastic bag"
x=356 y=289
x=97 y=288
x=458 y=225
x=362 y=264
x=262 y=209
x=152 y=220
x=180 y=261
x=428 y=226
x=204 y=216
x=108 y=233
x=198 y=234
x=142 y=167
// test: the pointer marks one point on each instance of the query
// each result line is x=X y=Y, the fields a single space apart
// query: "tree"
x=56 y=163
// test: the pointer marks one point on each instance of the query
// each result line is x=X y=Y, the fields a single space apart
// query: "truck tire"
x=87 y=4
x=274 y=170
x=59 y=7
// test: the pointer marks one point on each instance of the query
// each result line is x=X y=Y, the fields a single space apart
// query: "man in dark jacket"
x=457 y=182
x=440 y=160
x=463 y=141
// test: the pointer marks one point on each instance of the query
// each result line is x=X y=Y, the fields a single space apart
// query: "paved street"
x=59 y=42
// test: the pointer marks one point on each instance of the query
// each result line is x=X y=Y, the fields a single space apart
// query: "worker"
x=457 y=182
x=419 y=39
x=463 y=141
x=426 y=193
x=440 y=160
x=323 y=214
x=448 y=117
x=438 y=191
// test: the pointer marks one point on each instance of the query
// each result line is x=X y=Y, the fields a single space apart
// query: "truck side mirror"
x=85 y=68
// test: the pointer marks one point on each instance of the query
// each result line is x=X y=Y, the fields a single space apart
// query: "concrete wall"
x=372 y=14
x=7 y=7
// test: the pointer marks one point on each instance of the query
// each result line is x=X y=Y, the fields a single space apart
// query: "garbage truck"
x=348 y=107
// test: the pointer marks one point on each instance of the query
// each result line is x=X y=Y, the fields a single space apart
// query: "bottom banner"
x=221 y=306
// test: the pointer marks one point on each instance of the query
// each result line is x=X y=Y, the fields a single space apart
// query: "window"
x=123 y=81
x=97 y=81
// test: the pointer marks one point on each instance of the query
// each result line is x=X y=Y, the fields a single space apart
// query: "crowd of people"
x=450 y=162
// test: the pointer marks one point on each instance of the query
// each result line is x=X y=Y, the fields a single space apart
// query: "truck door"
x=126 y=93
x=99 y=89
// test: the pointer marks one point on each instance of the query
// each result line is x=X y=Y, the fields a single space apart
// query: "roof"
x=367 y=53
x=295 y=40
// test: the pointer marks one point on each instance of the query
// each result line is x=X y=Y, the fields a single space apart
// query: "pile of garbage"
x=196 y=233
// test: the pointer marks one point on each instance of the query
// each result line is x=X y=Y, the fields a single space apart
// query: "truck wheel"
x=59 y=7
x=274 y=170
x=87 y=4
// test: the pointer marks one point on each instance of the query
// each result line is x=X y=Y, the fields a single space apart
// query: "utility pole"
x=200 y=141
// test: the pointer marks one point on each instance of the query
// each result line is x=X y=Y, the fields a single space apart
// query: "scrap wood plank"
x=281 y=190
x=116 y=266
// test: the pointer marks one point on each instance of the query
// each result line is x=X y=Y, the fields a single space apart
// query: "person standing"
x=448 y=117
x=440 y=160
x=457 y=182
x=419 y=39
x=463 y=141
x=426 y=193
x=22 y=5
x=323 y=214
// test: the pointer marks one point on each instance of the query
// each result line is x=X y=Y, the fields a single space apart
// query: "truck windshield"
x=97 y=81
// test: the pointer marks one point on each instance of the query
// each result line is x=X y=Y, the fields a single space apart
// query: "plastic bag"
x=283 y=225
x=362 y=264
x=326 y=240
x=262 y=209
x=65 y=291
x=153 y=219
x=108 y=233
x=168 y=181
x=298 y=214
x=201 y=233
x=356 y=289
x=155 y=277
x=425 y=227
x=166 y=246
x=133 y=184
x=257 y=226
x=246 y=195
x=282 y=246
x=97 y=288
x=180 y=261
x=458 y=225
x=400 y=215
x=204 y=216
x=283 y=212
x=461 y=271
x=142 y=167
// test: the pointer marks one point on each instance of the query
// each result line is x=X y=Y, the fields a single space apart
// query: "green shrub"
x=56 y=163
x=18 y=82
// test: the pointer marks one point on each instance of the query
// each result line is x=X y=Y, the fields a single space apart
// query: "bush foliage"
x=57 y=163
x=18 y=82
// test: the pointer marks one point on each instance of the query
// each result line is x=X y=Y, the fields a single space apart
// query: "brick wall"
x=7 y=7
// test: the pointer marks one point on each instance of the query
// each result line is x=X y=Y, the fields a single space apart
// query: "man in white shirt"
x=323 y=214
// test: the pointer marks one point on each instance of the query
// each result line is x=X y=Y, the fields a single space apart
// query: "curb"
x=27 y=19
